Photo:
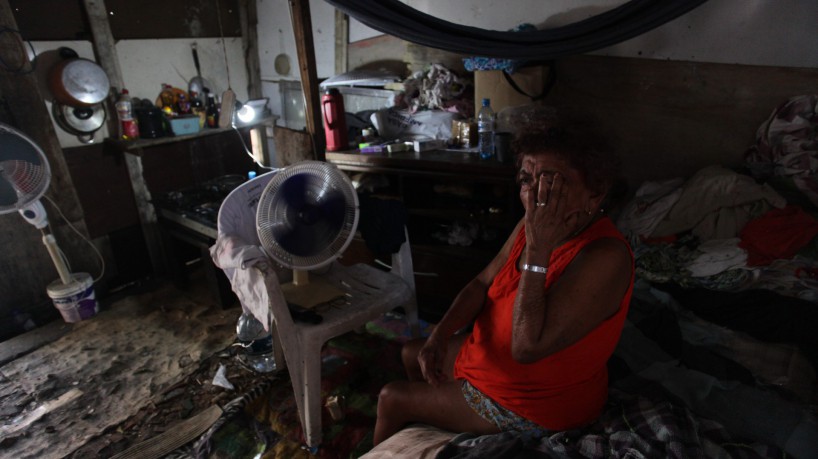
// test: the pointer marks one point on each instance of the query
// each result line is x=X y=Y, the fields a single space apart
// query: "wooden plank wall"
x=671 y=118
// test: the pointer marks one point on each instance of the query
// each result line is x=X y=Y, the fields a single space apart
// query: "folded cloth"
x=650 y=204
x=716 y=203
x=786 y=145
x=717 y=255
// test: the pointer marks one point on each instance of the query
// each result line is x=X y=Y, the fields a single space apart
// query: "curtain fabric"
x=616 y=25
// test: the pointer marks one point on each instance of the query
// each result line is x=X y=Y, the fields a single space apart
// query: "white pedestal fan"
x=24 y=178
x=306 y=217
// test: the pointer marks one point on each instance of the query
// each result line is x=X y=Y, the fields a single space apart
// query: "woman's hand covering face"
x=554 y=197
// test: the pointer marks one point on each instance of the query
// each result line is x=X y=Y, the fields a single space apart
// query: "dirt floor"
x=140 y=366
x=192 y=394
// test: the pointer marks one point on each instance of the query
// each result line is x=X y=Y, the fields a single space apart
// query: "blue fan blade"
x=312 y=220
x=18 y=148
x=8 y=197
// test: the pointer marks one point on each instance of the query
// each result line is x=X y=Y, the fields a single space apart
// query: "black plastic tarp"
x=605 y=29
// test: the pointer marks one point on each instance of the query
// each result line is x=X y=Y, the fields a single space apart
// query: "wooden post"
x=341 y=41
x=25 y=267
x=248 y=18
x=302 y=28
x=105 y=51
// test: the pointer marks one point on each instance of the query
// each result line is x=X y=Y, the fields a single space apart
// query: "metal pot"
x=83 y=122
x=198 y=84
x=77 y=82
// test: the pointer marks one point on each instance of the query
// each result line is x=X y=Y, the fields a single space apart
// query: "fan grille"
x=307 y=215
x=24 y=171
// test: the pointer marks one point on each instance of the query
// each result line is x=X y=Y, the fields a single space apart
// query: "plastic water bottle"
x=257 y=343
x=485 y=130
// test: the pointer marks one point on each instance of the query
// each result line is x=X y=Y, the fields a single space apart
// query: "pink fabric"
x=787 y=145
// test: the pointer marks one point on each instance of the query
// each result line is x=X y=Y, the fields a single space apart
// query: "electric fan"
x=24 y=177
x=306 y=217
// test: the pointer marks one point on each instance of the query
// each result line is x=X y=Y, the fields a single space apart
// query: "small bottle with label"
x=211 y=111
x=128 y=128
x=183 y=105
x=197 y=108
x=485 y=130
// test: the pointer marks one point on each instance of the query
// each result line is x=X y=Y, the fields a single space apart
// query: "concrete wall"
x=753 y=32
x=146 y=64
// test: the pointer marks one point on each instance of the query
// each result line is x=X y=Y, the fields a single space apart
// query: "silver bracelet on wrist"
x=535 y=268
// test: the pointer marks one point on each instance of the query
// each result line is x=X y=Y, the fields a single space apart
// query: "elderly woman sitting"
x=547 y=311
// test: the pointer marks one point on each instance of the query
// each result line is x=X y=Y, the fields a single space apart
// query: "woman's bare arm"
x=589 y=291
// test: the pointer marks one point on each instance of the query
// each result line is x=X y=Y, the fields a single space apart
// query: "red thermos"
x=335 y=124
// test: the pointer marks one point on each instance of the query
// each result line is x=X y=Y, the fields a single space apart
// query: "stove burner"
x=198 y=203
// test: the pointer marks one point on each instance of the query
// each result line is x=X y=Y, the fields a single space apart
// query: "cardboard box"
x=492 y=84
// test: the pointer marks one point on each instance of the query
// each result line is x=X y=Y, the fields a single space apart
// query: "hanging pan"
x=82 y=122
x=77 y=82
x=197 y=84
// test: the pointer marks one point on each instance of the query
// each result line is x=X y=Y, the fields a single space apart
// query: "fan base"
x=311 y=293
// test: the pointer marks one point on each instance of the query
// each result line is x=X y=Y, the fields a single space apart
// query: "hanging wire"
x=99 y=255
x=230 y=87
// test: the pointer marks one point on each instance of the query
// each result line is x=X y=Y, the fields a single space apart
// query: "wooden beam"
x=302 y=28
x=341 y=41
x=105 y=52
x=248 y=19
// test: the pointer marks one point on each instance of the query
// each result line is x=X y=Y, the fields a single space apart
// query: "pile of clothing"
x=722 y=230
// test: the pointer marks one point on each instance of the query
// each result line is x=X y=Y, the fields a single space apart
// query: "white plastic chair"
x=370 y=292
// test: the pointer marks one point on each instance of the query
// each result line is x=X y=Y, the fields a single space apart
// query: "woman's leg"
x=401 y=402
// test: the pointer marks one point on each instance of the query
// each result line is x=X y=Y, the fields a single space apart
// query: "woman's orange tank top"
x=564 y=390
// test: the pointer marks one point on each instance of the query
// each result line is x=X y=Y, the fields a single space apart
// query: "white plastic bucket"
x=75 y=300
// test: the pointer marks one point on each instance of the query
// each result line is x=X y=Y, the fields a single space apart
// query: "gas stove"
x=197 y=208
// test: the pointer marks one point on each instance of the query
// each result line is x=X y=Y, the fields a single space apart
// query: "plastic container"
x=183 y=125
x=76 y=301
x=257 y=343
x=335 y=125
x=485 y=130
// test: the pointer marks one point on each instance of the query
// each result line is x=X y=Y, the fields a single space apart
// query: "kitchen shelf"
x=433 y=163
x=136 y=146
